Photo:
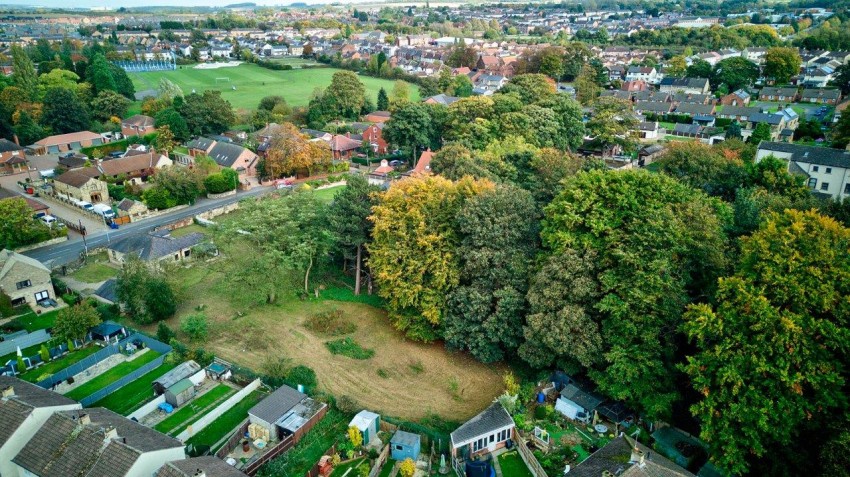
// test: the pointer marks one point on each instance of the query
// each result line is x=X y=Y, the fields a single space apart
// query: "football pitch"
x=252 y=83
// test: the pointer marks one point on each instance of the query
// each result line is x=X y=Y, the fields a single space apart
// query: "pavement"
x=66 y=252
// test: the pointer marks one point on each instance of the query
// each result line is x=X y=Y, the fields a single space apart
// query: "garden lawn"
x=32 y=322
x=225 y=423
x=132 y=396
x=327 y=195
x=252 y=83
x=186 y=414
x=341 y=469
x=387 y=468
x=94 y=273
x=111 y=376
x=512 y=465
x=37 y=374
x=301 y=458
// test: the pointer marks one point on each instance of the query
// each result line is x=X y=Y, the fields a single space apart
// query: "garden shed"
x=405 y=445
x=181 y=372
x=180 y=393
x=369 y=424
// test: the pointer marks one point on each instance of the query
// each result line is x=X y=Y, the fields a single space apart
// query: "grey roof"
x=687 y=128
x=443 y=99
x=154 y=245
x=694 y=108
x=211 y=466
x=277 y=404
x=650 y=96
x=823 y=156
x=653 y=106
x=585 y=399
x=15 y=409
x=107 y=290
x=617 y=94
x=769 y=118
x=182 y=371
x=225 y=154
x=201 y=143
x=696 y=83
x=491 y=419
x=7 y=145
x=404 y=438
x=682 y=97
x=739 y=111
x=810 y=93
x=615 y=457
x=771 y=91
x=65 y=447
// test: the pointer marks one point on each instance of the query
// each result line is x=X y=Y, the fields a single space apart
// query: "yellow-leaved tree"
x=355 y=436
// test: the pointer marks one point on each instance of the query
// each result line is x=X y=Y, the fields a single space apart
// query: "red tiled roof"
x=423 y=165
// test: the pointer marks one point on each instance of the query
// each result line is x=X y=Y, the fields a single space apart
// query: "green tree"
x=108 y=104
x=195 y=326
x=410 y=128
x=462 y=55
x=531 y=88
x=587 y=88
x=17 y=226
x=27 y=130
x=164 y=333
x=781 y=63
x=169 y=90
x=841 y=132
x=677 y=66
x=383 y=100
x=63 y=112
x=785 y=310
x=74 y=322
x=160 y=301
x=455 y=161
x=462 y=86
x=612 y=124
x=345 y=96
x=207 y=113
x=58 y=79
x=484 y=314
x=178 y=182
x=169 y=117
x=699 y=68
x=23 y=73
x=348 y=217
x=736 y=73
x=123 y=83
x=414 y=230
x=702 y=167
x=99 y=74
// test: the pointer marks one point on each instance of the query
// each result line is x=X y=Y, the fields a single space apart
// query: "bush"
x=158 y=198
x=350 y=348
x=164 y=333
x=6 y=308
x=347 y=405
x=195 y=326
x=70 y=298
x=45 y=354
x=329 y=323
x=22 y=365
x=216 y=184
x=302 y=375
x=109 y=312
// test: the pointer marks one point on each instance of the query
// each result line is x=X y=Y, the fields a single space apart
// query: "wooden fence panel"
x=528 y=456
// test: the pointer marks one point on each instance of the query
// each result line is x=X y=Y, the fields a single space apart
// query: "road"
x=66 y=252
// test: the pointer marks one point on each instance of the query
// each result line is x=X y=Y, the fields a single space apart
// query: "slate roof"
x=156 y=245
x=815 y=93
x=9 y=259
x=7 y=146
x=617 y=94
x=74 y=178
x=211 y=466
x=73 y=162
x=15 y=409
x=687 y=128
x=585 y=399
x=65 y=447
x=739 y=111
x=226 y=154
x=107 y=290
x=769 y=118
x=615 y=457
x=771 y=91
x=695 y=83
x=491 y=419
x=276 y=404
x=694 y=108
x=443 y=99
x=653 y=106
x=823 y=156
x=200 y=143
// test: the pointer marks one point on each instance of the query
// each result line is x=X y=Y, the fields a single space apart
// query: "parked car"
x=87 y=206
x=116 y=154
x=48 y=220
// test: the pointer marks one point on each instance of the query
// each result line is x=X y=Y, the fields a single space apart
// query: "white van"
x=49 y=220
x=104 y=211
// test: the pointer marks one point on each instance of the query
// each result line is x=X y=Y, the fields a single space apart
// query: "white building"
x=827 y=170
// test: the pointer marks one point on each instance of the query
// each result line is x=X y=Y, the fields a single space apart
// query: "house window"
x=847 y=188
x=829 y=170
x=399 y=448
x=824 y=186
x=23 y=284
x=492 y=438
x=812 y=183
x=815 y=168
x=42 y=295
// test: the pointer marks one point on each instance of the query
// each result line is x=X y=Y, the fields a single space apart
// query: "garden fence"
x=234 y=440
x=211 y=416
x=123 y=381
x=380 y=461
x=78 y=367
x=24 y=340
x=287 y=443
x=527 y=457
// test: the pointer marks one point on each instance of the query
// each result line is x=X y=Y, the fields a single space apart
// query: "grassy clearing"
x=94 y=273
x=330 y=323
x=132 y=396
x=252 y=83
x=327 y=195
x=301 y=458
x=225 y=423
x=512 y=465
x=42 y=372
x=349 y=347
x=111 y=376
x=190 y=411
x=341 y=469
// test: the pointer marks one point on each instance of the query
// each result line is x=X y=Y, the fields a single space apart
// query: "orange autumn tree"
x=290 y=152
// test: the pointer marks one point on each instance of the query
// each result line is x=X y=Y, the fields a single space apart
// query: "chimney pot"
x=85 y=419
x=111 y=433
x=8 y=391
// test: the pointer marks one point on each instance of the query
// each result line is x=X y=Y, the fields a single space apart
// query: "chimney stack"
x=200 y=473
x=637 y=456
x=85 y=419
x=110 y=433
x=8 y=391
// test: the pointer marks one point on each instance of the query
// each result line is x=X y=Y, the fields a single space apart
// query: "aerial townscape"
x=586 y=238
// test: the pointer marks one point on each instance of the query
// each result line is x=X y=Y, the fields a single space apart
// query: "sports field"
x=252 y=83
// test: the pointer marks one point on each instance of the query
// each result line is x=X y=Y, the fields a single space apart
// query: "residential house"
x=381 y=175
x=687 y=130
x=634 y=86
x=681 y=97
x=200 y=145
x=373 y=135
x=769 y=93
x=236 y=157
x=818 y=77
x=73 y=161
x=827 y=170
x=577 y=403
x=377 y=117
x=343 y=147
x=625 y=457
x=155 y=246
x=736 y=98
x=95 y=442
x=37 y=207
x=486 y=432
x=66 y=142
x=756 y=55
x=616 y=73
x=739 y=113
x=657 y=107
x=423 y=165
x=80 y=186
x=368 y=423
x=648 y=129
x=137 y=125
x=441 y=98
x=13 y=158
x=285 y=412
x=24 y=408
x=685 y=85
x=619 y=94
x=136 y=166
x=205 y=466
x=819 y=95
x=642 y=73
x=651 y=96
x=488 y=84
x=131 y=208
x=695 y=109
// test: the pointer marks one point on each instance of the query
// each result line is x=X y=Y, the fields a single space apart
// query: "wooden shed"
x=180 y=393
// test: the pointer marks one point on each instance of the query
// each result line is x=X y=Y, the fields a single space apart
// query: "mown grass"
x=42 y=372
x=512 y=465
x=111 y=376
x=132 y=396
x=188 y=412
x=349 y=347
x=225 y=423
x=33 y=322
x=94 y=273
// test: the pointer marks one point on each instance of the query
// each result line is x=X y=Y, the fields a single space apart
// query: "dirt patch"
x=416 y=380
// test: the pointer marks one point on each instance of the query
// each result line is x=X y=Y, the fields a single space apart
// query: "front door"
x=41 y=295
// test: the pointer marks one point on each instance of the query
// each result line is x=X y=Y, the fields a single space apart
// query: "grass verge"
x=225 y=423
x=186 y=414
x=387 y=468
x=32 y=322
x=132 y=396
x=111 y=376
x=349 y=347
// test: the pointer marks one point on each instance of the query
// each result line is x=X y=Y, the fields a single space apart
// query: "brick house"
x=24 y=279
x=13 y=159
x=820 y=96
x=235 y=157
x=137 y=125
x=67 y=142
x=373 y=135
x=736 y=98
x=343 y=147
x=377 y=117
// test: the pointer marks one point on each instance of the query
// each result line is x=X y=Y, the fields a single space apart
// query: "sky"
x=128 y=3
